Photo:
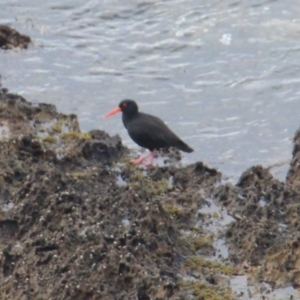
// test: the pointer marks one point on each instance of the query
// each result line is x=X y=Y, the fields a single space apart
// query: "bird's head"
x=127 y=107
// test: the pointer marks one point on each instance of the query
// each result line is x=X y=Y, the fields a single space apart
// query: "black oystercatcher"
x=147 y=131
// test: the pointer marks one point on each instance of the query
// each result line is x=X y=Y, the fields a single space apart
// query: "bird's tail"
x=184 y=147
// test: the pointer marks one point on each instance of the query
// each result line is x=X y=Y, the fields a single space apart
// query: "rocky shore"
x=78 y=221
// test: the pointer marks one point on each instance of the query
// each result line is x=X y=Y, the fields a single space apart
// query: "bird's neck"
x=128 y=118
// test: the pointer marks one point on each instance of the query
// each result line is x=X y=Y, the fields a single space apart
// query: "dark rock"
x=10 y=38
x=102 y=147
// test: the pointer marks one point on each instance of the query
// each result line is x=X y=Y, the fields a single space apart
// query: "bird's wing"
x=149 y=131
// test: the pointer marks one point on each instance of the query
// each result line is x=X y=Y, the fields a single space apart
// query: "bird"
x=147 y=131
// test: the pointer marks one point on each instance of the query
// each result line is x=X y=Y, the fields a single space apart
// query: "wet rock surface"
x=11 y=38
x=264 y=240
x=78 y=221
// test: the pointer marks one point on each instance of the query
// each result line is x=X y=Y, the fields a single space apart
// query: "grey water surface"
x=224 y=75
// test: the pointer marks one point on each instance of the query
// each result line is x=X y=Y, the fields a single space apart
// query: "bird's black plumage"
x=149 y=131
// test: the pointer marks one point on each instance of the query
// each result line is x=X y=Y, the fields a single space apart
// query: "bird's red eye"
x=124 y=104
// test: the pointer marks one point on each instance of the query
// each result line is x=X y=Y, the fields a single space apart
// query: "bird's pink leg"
x=140 y=159
x=150 y=163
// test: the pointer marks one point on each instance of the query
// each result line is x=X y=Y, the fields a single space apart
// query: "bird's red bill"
x=112 y=112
